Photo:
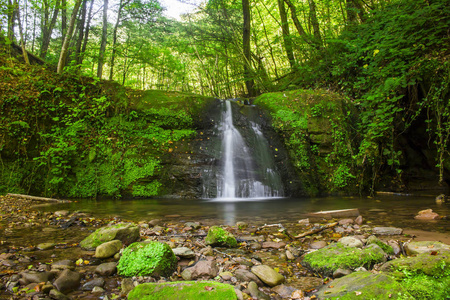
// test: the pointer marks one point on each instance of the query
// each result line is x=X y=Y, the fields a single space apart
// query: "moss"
x=147 y=259
x=106 y=234
x=386 y=248
x=327 y=260
x=426 y=287
x=218 y=236
x=208 y=290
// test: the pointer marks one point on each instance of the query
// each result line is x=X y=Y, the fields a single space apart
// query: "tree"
x=67 y=38
x=47 y=26
x=286 y=36
x=249 y=82
x=104 y=38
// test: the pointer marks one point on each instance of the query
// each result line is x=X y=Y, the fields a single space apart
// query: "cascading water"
x=246 y=168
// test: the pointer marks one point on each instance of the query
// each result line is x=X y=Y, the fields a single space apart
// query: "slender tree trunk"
x=249 y=82
x=101 y=55
x=47 y=32
x=315 y=22
x=63 y=18
x=22 y=41
x=285 y=31
x=86 y=34
x=11 y=15
x=67 y=38
x=116 y=26
x=80 y=33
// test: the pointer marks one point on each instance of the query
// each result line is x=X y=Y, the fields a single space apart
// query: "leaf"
x=209 y=288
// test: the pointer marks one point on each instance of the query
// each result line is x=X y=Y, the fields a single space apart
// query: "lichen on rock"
x=147 y=259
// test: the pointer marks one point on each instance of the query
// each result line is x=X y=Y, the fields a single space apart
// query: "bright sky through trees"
x=175 y=8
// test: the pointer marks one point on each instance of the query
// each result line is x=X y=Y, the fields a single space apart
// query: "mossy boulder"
x=328 y=259
x=363 y=285
x=198 y=290
x=147 y=259
x=431 y=264
x=374 y=240
x=425 y=247
x=125 y=232
x=218 y=236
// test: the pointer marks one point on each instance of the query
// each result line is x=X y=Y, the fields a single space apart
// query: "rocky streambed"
x=71 y=255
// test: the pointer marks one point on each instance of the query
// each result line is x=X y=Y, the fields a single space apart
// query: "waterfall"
x=246 y=168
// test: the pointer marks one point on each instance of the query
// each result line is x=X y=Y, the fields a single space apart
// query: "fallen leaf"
x=209 y=288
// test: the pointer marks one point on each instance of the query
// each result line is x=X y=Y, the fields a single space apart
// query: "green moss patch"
x=125 y=232
x=218 y=236
x=363 y=285
x=208 y=290
x=327 y=260
x=147 y=259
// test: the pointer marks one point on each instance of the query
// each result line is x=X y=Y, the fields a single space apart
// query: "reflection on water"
x=380 y=210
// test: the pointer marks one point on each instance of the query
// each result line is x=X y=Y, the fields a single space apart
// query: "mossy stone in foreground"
x=147 y=259
x=363 y=285
x=125 y=232
x=218 y=236
x=327 y=260
x=183 y=290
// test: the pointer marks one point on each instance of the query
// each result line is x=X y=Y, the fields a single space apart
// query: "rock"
x=36 y=277
x=46 y=246
x=431 y=265
x=442 y=198
x=183 y=290
x=283 y=290
x=106 y=269
x=345 y=222
x=57 y=295
x=376 y=241
x=273 y=245
x=268 y=275
x=359 y=220
x=193 y=225
x=67 y=281
x=395 y=247
x=97 y=289
x=108 y=249
x=289 y=255
x=207 y=251
x=427 y=214
x=125 y=232
x=63 y=265
x=247 y=276
x=341 y=273
x=147 y=259
x=203 y=269
x=327 y=260
x=351 y=241
x=387 y=230
x=183 y=252
x=255 y=246
x=155 y=222
x=61 y=213
x=318 y=244
x=226 y=275
x=307 y=283
x=331 y=214
x=363 y=285
x=255 y=292
x=241 y=225
x=126 y=286
x=89 y=286
x=218 y=236
x=424 y=247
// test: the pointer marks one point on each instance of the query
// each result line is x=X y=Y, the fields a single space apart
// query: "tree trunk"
x=315 y=22
x=101 y=55
x=47 y=32
x=80 y=33
x=294 y=17
x=65 y=46
x=285 y=31
x=11 y=15
x=116 y=26
x=63 y=18
x=351 y=10
x=86 y=34
x=249 y=83
x=22 y=41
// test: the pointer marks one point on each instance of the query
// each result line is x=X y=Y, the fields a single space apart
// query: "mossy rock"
x=147 y=259
x=218 y=236
x=327 y=260
x=183 y=290
x=374 y=240
x=425 y=287
x=125 y=232
x=431 y=264
x=363 y=285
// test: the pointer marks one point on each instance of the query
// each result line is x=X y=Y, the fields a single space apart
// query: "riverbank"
x=37 y=242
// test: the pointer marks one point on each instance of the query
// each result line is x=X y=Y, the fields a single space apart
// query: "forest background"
x=69 y=129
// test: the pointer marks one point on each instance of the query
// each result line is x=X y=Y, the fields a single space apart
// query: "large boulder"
x=108 y=249
x=327 y=260
x=425 y=247
x=218 y=236
x=198 y=290
x=203 y=269
x=147 y=259
x=67 y=281
x=268 y=275
x=363 y=285
x=125 y=232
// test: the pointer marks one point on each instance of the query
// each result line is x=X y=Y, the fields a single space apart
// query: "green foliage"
x=147 y=259
x=427 y=287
